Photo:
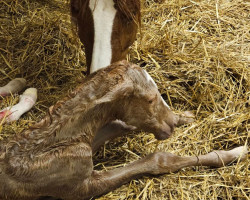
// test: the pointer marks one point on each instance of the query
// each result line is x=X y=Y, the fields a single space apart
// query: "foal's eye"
x=152 y=99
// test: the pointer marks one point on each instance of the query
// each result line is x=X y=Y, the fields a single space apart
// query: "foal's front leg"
x=110 y=131
x=157 y=163
x=184 y=118
x=118 y=128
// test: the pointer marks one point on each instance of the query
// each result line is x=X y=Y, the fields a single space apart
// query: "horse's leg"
x=110 y=131
x=185 y=118
x=26 y=102
x=157 y=163
x=118 y=128
x=14 y=86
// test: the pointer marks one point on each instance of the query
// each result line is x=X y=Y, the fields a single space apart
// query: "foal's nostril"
x=162 y=135
x=172 y=121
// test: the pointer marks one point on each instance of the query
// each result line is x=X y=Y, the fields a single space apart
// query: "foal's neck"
x=83 y=125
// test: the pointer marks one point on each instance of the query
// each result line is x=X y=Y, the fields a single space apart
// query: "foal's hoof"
x=240 y=153
x=26 y=102
x=185 y=118
x=14 y=86
x=227 y=157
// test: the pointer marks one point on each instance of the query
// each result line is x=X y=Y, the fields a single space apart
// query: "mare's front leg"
x=110 y=131
x=156 y=163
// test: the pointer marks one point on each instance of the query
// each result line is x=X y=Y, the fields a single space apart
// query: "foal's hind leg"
x=156 y=163
x=14 y=86
x=26 y=102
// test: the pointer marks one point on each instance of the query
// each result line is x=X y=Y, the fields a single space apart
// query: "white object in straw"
x=26 y=102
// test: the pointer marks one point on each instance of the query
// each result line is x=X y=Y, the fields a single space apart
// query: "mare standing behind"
x=107 y=29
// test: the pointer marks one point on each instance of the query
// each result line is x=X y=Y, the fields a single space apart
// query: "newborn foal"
x=54 y=158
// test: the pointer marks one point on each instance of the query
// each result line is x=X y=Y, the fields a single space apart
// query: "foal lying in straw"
x=54 y=157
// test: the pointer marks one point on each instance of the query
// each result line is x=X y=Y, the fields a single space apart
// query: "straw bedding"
x=196 y=51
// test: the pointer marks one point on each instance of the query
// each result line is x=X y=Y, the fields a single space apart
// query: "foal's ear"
x=125 y=90
x=121 y=91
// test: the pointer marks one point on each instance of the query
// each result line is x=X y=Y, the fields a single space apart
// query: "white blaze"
x=149 y=78
x=164 y=102
x=103 y=12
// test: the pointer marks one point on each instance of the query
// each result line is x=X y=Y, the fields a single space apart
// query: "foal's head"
x=146 y=109
x=135 y=99
x=107 y=28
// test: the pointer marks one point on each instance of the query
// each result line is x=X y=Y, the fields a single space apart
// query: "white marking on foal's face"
x=103 y=15
x=150 y=79
x=164 y=102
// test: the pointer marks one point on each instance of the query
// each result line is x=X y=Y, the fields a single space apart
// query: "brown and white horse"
x=107 y=28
